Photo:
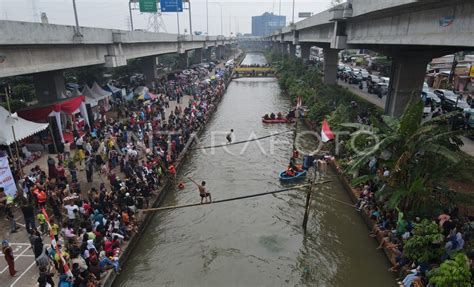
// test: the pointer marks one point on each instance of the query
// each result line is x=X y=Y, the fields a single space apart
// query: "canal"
x=259 y=241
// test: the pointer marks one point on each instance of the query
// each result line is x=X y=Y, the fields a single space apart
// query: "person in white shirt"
x=67 y=150
x=70 y=211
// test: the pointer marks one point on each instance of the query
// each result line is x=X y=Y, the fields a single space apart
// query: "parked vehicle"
x=381 y=89
x=372 y=81
x=430 y=97
x=451 y=100
x=365 y=75
x=355 y=77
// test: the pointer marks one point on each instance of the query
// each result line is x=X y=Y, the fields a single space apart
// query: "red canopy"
x=40 y=114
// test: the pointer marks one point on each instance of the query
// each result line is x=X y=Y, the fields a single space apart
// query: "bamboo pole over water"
x=224 y=200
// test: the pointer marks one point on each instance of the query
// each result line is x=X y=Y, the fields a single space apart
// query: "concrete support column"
x=330 y=65
x=292 y=50
x=183 y=61
x=49 y=86
x=276 y=47
x=206 y=54
x=284 y=48
x=406 y=82
x=227 y=51
x=197 y=56
x=220 y=52
x=149 y=70
x=305 y=50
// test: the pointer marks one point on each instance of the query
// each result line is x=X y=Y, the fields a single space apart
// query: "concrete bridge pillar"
x=149 y=70
x=220 y=52
x=292 y=50
x=183 y=61
x=406 y=82
x=206 y=52
x=305 y=50
x=275 y=47
x=330 y=66
x=284 y=48
x=49 y=86
x=197 y=56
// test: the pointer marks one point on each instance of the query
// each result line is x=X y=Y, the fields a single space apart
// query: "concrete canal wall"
x=144 y=219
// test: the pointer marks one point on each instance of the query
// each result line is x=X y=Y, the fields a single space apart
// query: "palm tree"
x=420 y=153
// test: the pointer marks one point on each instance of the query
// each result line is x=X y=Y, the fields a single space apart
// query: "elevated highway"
x=46 y=50
x=411 y=32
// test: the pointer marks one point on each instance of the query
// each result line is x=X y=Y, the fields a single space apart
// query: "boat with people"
x=279 y=119
x=285 y=177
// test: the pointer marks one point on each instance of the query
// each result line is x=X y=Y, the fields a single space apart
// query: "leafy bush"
x=452 y=273
x=424 y=245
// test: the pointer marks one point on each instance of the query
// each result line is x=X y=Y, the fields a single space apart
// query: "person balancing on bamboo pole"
x=202 y=190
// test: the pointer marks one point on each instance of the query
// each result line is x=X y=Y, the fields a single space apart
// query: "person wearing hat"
x=8 y=253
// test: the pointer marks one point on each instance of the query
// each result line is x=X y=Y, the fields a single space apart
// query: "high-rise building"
x=267 y=23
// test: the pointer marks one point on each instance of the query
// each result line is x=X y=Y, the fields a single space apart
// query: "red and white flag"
x=326 y=133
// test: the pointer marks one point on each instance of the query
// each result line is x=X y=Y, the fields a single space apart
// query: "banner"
x=6 y=177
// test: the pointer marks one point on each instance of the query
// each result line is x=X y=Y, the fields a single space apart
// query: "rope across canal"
x=225 y=200
x=241 y=142
x=232 y=198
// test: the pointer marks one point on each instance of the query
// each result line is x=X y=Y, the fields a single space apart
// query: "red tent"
x=40 y=114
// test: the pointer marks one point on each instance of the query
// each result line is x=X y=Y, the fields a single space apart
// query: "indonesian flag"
x=326 y=133
x=299 y=102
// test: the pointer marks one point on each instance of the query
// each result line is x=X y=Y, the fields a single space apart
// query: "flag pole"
x=7 y=95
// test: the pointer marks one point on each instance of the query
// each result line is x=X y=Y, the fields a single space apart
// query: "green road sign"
x=148 y=6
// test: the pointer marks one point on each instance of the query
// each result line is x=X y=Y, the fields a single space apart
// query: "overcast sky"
x=114 y=13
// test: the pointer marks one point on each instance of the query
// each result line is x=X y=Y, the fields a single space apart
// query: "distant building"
x=267 y=23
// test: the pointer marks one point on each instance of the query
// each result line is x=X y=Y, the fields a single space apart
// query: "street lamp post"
x=131 y=17
x=190 y=20
x=222 y=23
x=293 y=15
x=207 y=17
x=78 y=32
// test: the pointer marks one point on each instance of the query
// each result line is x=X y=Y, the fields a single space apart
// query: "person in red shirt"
x=8 y=252
x=61 y=172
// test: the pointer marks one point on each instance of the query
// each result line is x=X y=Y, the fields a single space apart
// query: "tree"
x=452 y=273
x=424 y=245
x=421 y=152
x=25 y=92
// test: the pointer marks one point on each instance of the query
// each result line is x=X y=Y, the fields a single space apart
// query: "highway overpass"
x=412 y=32
x=45 y=50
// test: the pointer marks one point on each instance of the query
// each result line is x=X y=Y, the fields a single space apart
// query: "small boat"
x=299 y=175
x=278 y=121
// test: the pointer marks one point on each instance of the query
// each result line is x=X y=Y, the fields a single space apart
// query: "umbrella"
x=147 y=96
x=141 y=90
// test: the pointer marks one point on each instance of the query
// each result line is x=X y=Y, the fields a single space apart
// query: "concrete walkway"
x=468 y=146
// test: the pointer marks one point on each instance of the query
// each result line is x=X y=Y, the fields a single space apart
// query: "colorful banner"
x=6 y=177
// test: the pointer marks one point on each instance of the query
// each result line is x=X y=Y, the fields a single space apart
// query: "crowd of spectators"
x=126 y=160
x=393 y=228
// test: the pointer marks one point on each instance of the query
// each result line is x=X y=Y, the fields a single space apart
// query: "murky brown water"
x=259 y=241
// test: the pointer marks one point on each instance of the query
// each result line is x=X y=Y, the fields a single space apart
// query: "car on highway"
x=451 y=99
x=380 y=89
x=430 y=96
x=355 y=77
x=365 y=75
x=372 y=81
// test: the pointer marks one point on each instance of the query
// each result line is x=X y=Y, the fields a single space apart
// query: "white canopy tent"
x=23 y=128
x=101 y=92
x=91 y=97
